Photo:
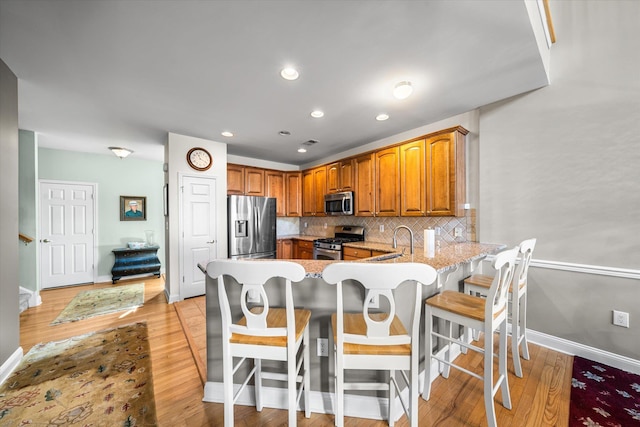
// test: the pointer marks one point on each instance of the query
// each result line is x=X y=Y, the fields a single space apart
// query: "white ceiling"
x=98 y=73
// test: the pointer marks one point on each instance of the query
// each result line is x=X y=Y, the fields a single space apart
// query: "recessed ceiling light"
x=302 y=150
x=227 y=134
x=382 y=117
x=284 y=133
x=289 y=73
x=317 y=114
x=402 y=90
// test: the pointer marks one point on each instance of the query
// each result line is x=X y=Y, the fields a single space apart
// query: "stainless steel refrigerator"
x=252 y=227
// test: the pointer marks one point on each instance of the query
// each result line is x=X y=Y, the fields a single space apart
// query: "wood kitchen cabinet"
x=446 y=173
x=350 y=254
x=303 y=249
x=245 y=180
x=275 y=187
x=314 y=187
x=284 y=249
x=293 y=199
x=340 y=176
x=413 y=196
x=364 y=185
x=387 y=200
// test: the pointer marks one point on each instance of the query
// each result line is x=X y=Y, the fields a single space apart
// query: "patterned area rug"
x=98 y=379
x=102 y=301
x=603 y=396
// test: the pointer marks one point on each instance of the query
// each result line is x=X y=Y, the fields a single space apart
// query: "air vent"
x=310 y=142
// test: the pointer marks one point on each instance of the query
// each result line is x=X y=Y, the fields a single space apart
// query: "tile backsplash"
x=315 y=226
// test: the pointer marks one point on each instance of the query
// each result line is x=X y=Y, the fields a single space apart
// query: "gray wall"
x=9 y=318
x=115 y=177
x=562 y=164
x=28 y=208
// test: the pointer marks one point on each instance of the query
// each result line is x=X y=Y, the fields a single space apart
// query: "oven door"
x=326 y=254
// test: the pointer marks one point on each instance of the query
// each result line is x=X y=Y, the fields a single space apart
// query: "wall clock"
x=199 y=159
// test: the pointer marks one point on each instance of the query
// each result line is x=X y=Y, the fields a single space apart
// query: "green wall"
x=115 y=177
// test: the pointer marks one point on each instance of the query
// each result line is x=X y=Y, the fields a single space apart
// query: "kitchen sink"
x=387 y=257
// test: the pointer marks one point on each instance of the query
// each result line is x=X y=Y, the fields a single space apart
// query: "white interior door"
x=66 y=234
x=198 y=231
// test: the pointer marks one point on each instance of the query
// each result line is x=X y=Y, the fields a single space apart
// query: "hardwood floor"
x=541 y=398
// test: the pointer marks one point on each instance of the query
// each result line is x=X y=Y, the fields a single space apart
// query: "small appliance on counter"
x=331 y=248
x=252 y=227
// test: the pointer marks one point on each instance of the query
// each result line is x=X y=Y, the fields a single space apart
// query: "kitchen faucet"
x=395 y=232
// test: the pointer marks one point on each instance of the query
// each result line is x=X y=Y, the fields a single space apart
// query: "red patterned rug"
x=603 y=396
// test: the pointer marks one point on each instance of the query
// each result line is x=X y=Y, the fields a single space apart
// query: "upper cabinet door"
x=235 y=179
x=446 y=180
x=253 y=181
x=275 y=187
x=346 y=175
x=320 y=182
x=308 y=193
x=293 y=193
x=364 y=185
x=333 y=178
x=412 y=179
x=388 y=179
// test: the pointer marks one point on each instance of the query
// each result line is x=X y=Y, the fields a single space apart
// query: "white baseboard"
x=576 y=349
x=10 y=364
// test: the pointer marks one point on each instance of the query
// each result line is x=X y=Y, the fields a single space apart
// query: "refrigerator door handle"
x=256 y=218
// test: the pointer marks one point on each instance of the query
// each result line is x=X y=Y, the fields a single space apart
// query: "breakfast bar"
x=453 y=262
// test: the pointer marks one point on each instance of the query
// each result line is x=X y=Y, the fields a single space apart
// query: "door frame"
x=181 y=177
x=94 y=186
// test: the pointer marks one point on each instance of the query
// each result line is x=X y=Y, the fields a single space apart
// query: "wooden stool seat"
x=276 y=318
x=458 y=303
x=354 y=324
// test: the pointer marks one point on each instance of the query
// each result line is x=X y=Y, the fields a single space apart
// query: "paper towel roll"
x=429 y=243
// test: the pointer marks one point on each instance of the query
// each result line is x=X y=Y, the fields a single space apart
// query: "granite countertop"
x=299 y=237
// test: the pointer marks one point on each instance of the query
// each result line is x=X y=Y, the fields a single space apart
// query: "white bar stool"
x=263 y=332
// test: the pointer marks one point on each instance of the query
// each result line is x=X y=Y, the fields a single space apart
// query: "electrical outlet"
x=381 y=228
x=621 y=318
x=325 y=226
x=305 y=225
x=457 y=232
x=253 y=296
x=322 y=347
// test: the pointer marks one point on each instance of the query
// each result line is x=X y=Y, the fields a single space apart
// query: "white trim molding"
x=576 y=349
x=10 y=364
x=601 y=270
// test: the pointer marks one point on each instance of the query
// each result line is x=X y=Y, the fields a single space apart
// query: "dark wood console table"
x=135 y=261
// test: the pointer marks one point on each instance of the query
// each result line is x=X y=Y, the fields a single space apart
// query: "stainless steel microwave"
x=339 y=203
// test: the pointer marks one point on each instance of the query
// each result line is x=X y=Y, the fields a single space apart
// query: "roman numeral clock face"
x=199 y=159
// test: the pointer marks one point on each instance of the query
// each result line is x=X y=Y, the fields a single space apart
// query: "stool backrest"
x=524 y=254
x=379 y=280
x=252 y=275
x=504 y=264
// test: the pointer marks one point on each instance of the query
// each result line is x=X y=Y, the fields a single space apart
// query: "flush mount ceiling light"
x=302 y=150
x=121 y=152
x=382 y=117
x=289 y=73
x=316 y=114
x=227 y=134
x=402 y=90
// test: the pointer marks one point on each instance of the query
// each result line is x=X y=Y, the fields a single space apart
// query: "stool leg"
x=291 y=383
x=227 y=381
x=502 y=366
x=515 y=336
x=447 y=367
x=523 y=324
x=257 y=378
x=428 y=346
x=307 y=380
x=489 y=405
x=392 y=398
x=413 y=388
x=339 y=412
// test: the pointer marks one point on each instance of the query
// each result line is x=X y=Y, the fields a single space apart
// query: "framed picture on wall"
x=133 y=208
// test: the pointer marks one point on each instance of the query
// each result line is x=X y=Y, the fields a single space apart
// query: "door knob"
x=212 y=241
x=45 y=241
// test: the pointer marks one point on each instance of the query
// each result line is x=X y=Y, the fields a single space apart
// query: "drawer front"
x=305 y=244
x=355 y=253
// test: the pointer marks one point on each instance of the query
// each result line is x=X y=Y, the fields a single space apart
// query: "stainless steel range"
x=331 y=247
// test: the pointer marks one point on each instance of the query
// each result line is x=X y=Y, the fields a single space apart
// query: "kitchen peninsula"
x=453 y=262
